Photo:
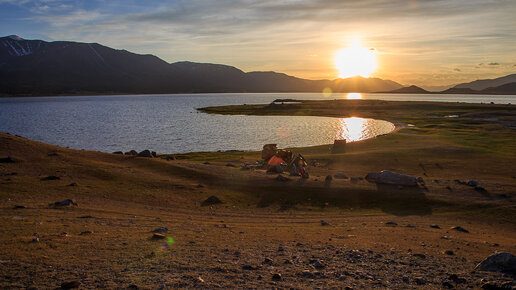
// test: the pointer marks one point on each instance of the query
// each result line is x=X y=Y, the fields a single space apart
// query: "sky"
x=428 y=43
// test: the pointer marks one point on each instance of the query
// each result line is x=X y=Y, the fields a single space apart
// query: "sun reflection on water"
x=354 y=96
x=352 y=129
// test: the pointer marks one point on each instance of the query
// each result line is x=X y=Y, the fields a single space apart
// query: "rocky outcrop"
x=389 y=177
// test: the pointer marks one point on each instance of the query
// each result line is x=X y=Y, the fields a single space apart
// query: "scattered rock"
x=420 y=281
x=472 y=183
x=132 y=152
x=7 y=159
x=328 y=178
x=481 y=189
x=249 y=267
x=170 y=157
x=319 y=265
x=118 y=152
x=449 y=252
x=420 y=180
x=391 y=223
x=460 y=229
x=501 y=262
x=35 y=240
x=389 y=177
x=449 y=188
x=434 y=226
x=86 y=233
x=160 y=230
x=282 y=178
x=410 y=226
x=66 y=202
x=70 y=284
x=19 y=207
x=154 y=154
x=145 y=153
x=50 y=177
x=324 y=223
x=455 y=278
x=447 y=284
x=212 y=200
x=72 y=184
x=230 y=165
x=492 y=286
x=267 y=261
x=340 y=176
x=276 y=277
x=85 y=217
x=157 y=236
x=422 y=256
x=206 y=163
x=132 y=287
x=199 y=280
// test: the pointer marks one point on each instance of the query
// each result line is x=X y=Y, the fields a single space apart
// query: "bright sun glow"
x=356 y=61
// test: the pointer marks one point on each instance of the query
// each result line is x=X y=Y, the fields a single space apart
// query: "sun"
x=356 y=60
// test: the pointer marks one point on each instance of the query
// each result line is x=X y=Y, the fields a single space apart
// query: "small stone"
x=157 y=236
x=422 y=256
x=420 y=281
x=19 y=207
x=86 y=233
x=324 y=223
x=319 y=265
x=328 y=178
x=72 y=184
x=267 y=261
x=66 y=202
x=230 y=165
x=248 y=267
x=281 y=249
x=447 y=284
x=132 y=287
x=199 y=280
x=70 y=284
x=472 y=183
x=35 y=240
x=433 y=226
x=212 y=200
x=145 y=153
x=449 y=252
x=118 y=152
x=460 y=229
x=50 y=177
x=276 y=277
x=391 y=223
x=455 y=278
x=160 y=230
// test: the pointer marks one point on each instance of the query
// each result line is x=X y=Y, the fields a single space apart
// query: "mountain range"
x=37 y=67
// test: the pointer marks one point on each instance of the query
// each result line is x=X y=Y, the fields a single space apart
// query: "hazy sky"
x=432 y=42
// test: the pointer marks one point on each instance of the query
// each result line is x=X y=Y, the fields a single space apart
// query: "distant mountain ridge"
x=36 y=67
x=479 y=85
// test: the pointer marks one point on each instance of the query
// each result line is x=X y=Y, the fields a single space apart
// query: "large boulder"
x=389 y=177
x=145 y=153
x=502 y=262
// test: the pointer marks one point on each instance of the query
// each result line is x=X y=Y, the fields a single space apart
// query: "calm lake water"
x=171 y=123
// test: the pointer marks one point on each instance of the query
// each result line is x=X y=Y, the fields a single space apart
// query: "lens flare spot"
x=170 y=241
x=327 y=92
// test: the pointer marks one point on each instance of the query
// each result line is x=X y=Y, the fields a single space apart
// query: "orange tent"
x=275 y=160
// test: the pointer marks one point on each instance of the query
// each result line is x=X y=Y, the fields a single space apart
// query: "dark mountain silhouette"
x=479 y=85
x=459 y=91
x=410 y=90
x=506 y=89
x=36 y=67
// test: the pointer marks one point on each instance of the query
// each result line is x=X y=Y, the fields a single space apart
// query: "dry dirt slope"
x=106 y=240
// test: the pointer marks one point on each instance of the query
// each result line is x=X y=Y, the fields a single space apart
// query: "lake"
x=171 y=123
